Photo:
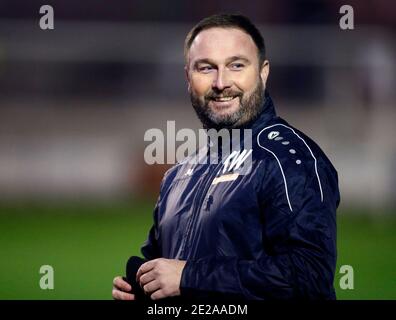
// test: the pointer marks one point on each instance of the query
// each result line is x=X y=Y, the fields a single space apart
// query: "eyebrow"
x=228 y=60
x=234 y=58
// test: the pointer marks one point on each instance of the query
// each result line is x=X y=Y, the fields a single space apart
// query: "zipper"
x=198 y=205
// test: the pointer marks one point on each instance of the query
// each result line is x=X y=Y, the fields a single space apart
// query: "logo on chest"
x=236 y=164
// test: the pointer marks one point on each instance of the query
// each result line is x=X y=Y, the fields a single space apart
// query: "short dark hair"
x=227 y=21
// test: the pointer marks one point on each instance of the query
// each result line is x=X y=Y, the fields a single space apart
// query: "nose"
x=222 y=81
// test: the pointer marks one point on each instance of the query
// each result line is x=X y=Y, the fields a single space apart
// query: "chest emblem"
x=235 y=160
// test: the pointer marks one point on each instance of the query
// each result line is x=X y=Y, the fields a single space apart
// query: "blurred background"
x=75 y=102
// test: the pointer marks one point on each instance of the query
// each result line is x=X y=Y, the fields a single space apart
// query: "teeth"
x=224 y=99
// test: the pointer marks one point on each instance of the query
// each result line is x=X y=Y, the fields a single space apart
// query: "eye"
x=205 y=68
x=237 y=66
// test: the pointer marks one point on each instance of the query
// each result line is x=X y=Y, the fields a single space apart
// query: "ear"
x=264 y=72
x=187 y=78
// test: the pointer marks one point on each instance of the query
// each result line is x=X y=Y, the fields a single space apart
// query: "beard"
x=250 y=107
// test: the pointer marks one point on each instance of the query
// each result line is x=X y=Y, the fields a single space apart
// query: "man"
x=268 y=234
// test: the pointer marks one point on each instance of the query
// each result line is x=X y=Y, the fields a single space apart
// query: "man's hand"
x=122 y=289
x=160 y=278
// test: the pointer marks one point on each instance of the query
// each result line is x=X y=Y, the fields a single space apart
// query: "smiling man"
x=226 y=76
x=268 y=234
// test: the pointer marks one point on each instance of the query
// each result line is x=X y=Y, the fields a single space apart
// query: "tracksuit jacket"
x=267 y=234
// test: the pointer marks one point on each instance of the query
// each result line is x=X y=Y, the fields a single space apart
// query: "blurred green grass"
x=88 y=244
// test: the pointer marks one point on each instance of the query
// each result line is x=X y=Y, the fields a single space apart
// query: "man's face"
x=225 y=81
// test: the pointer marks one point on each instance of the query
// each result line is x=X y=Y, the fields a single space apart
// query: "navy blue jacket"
x=268 y=234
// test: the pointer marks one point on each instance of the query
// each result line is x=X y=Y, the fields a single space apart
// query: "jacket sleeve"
x=302 y=260
x=151 y=248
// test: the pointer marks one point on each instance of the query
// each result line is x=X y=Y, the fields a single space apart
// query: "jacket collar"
x=267 y=114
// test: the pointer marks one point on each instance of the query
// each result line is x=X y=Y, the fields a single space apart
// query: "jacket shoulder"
x=287 y=143
x=296 y=159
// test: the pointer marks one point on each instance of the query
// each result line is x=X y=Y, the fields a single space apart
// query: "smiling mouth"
x=223 y=99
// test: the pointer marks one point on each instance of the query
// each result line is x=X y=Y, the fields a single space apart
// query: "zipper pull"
x=208 y=202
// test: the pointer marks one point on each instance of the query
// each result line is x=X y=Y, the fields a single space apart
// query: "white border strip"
x=280 y=166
